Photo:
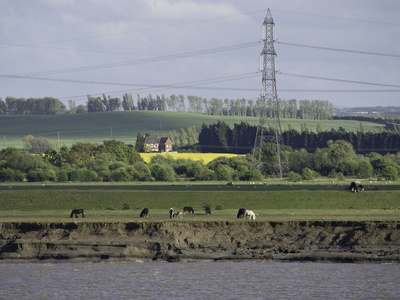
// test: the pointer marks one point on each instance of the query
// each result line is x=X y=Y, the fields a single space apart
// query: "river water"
x=199 y=280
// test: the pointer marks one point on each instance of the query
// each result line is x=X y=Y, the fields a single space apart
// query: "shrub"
x=223 y=172
x=120 y=174
x=8 y=174
x=293 y=176
x=35 y=175
x=162 y=172
x=307 y=174
x=62 y=176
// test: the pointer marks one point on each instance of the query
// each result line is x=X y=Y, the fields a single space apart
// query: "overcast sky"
x=344 y=51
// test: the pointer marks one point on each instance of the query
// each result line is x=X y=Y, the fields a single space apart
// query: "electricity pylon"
x=269 y=67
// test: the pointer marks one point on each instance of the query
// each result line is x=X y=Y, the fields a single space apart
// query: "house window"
x=168 y=146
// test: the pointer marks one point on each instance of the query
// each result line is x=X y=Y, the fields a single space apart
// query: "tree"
x=81 y=152
x=192 y=136
x=36 y=144
x=182 y=137
x=81 y=109
x=72 y=107
x=338 y=156
x=139 y=146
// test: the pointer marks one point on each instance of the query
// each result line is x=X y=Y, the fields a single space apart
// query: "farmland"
x=124 y=126
x=203 y=157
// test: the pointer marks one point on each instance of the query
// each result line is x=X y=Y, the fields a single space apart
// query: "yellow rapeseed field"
x=204 y=157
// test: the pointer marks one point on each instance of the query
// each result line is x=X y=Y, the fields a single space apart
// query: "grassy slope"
x=106 y=202
x=96 y=127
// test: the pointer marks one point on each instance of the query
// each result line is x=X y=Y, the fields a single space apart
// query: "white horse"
x=249 y=214
x=179 y=214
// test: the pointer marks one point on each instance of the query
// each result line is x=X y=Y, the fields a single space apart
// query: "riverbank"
x=189 y=241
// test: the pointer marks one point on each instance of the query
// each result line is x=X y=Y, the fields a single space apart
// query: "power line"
x=340 y=50
x=337 y=18
x=339 y=80
x=131 y=31
x=148 y=60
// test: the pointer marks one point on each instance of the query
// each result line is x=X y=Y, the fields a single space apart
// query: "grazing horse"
x=361 y=188
x=207 y=209
x=241 y=212
x=76 y=212
x=188 y=209
x=249 y=214
x=353 y=187
x=144 y=213
x=171 y=213
x=179 y=214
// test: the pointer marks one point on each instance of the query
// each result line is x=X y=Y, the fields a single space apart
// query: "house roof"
x=154 y=140
x=151 y=140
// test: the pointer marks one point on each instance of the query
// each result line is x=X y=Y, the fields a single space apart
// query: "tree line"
x=114 y=161
x=220 y=138
x=303 y=109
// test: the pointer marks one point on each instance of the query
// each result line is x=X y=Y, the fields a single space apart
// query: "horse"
x=171 y=213
x=144 y=213
x=353 y=187
x=241 y=212
x=76 y=212
x=188 y=209
x=249 y=214
x=179 y=214
x=361 y=188
x=207 y=209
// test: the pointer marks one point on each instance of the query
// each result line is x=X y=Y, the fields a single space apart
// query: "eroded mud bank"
x=186 y=241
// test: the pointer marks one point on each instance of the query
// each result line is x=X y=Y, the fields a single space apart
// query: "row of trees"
x=220 y=138
x=303 y=109
x=32 y=106
x=115 y=161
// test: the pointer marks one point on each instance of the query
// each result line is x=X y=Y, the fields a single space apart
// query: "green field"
x=124 y=126
x=123 y=202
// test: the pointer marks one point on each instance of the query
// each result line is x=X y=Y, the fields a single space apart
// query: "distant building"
x=158 y=144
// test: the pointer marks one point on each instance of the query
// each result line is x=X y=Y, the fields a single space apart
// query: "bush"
x=293 y=176
x=37 y=175
x=223 y=172
x=120 y=174
x=162 y=172
x=8 y=174
x=62 y=176
x=340 y=176
x=307 y=174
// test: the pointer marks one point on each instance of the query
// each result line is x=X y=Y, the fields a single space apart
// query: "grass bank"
x=123 y=203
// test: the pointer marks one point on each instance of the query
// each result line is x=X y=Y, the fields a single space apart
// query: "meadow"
x=272 y=202
x=124 y=126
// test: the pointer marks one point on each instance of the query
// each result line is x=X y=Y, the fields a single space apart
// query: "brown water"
x=199 y=280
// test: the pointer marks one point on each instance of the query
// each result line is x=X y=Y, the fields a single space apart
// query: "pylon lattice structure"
x=268 y=67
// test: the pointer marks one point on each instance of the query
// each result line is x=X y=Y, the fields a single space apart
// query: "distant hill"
x=369 y=110
x=124 y=125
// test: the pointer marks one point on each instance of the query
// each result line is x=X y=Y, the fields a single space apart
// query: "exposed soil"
x=186 y=241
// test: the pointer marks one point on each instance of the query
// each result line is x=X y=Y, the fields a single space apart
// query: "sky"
x=343 y=51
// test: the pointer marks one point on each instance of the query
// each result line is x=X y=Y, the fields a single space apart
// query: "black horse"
x=188 y=209
x=76 y=212
x=144 y=213
x=207 y=209
x=353 y=187
x=241 y=212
